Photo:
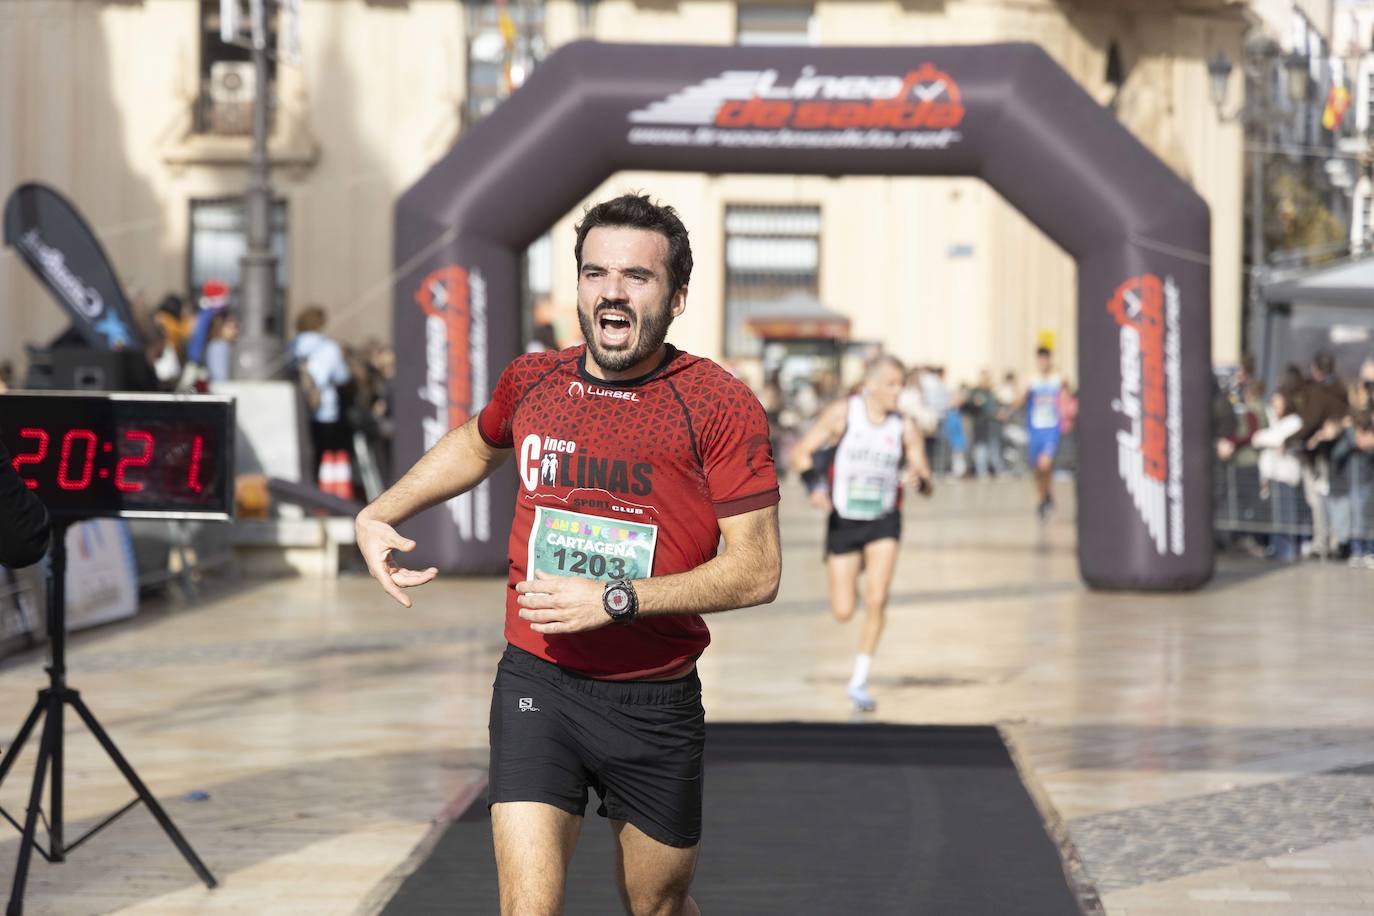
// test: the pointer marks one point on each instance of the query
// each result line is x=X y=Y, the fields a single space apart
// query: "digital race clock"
x=129 y=455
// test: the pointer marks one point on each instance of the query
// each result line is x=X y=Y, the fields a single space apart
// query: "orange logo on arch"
x=445 y=295
x=936 y=91
x=1139 y=304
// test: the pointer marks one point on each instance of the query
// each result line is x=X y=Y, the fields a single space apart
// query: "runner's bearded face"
x=624 y=304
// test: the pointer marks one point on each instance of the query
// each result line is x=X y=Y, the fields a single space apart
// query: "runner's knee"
x=661 y=898
x=875 y=602
x=534 y=899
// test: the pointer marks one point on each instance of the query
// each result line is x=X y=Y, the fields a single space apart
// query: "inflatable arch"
x=1004 y=113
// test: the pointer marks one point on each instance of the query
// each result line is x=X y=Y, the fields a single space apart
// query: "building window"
x=769 y=24
x=228 y=82
x=1362 y=217
x=219 y=240
x=505 y=44
x=771 y=253
x=1364 y=95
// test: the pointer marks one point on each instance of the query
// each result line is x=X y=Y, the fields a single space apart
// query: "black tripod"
x=51 y=700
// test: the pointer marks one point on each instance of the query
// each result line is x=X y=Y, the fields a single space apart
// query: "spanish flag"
x=1337 y=102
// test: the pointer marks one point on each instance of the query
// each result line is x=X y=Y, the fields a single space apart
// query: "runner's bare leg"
x=880 y=561
x=1044 y=474
x=654 y=878
x=534 y=843
x=842 y=573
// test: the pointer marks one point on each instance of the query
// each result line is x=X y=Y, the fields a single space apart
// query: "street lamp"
x=1296 y=66
x=1219 y=72
x=1219 y=69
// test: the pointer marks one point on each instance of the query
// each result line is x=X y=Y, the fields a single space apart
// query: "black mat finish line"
x=803 y=819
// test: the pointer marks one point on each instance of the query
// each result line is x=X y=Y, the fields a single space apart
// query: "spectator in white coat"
x=1281 y=473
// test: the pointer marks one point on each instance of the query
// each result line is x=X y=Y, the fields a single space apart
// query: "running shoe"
x=1044 y=510
x=862 y=699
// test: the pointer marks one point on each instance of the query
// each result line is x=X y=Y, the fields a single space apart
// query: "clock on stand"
x=105 y=456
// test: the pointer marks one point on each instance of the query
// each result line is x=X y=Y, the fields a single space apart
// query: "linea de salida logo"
x=1150 y=441
x=757 y=108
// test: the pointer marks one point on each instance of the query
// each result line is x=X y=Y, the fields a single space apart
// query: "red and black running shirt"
x=624 y=480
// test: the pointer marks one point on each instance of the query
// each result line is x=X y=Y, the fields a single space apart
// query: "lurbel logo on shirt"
x=616 y=393
x=551 y=462
x=579 y=390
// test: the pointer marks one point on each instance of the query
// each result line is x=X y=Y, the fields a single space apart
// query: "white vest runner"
x=1042 y=408
x=868 y=465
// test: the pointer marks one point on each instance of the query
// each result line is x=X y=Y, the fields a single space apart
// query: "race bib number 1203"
x=564 y=543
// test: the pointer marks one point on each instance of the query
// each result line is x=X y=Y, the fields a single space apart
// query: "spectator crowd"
x=1295 y=475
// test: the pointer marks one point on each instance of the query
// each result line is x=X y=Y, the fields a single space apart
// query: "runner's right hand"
x=821 y=500
x=376 y=541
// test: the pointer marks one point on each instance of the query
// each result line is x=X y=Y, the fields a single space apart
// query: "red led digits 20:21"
x=80 y=450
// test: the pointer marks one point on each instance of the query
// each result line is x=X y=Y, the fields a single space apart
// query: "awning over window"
x=796 y=317
x=1349 y=283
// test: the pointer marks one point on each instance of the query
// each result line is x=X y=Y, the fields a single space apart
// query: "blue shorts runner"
x=1042 y=442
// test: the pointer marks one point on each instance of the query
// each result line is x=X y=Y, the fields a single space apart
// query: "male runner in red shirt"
x=635 y=460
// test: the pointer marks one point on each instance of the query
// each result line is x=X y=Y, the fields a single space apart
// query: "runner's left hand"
x=558 y=604
x=919 y=482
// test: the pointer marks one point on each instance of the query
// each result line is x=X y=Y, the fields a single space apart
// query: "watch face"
x=618 y=600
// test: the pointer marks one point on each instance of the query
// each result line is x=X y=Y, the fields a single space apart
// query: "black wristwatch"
x=619 y=601
x=813 y=478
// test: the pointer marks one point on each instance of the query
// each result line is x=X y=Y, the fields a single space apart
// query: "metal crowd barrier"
x=180 y=552
x=166 y=553
x=1243 y=506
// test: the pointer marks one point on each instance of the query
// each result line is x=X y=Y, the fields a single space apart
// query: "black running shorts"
x=639 y=744
x=843 y=535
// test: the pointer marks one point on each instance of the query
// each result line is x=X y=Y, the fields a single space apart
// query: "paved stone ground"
x=1154 y=843
x=1205 y=753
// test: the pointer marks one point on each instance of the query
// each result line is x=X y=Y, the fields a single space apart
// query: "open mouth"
x=613 y=328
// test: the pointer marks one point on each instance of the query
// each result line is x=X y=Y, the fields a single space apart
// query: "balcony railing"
x=225 y=119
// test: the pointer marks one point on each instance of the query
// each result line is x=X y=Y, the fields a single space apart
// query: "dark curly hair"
x=637 y=211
